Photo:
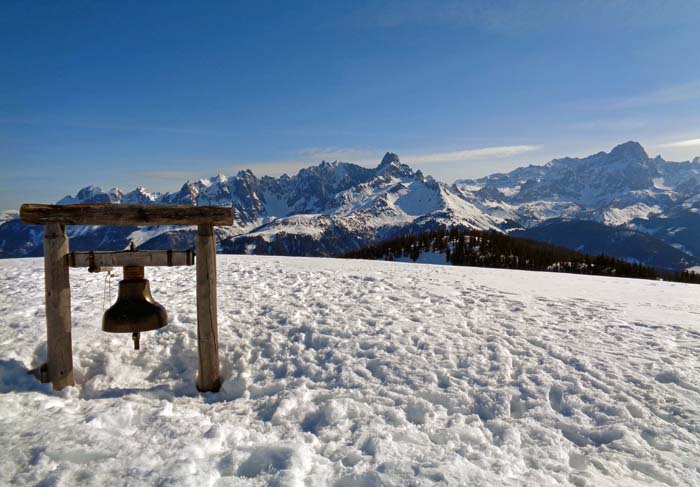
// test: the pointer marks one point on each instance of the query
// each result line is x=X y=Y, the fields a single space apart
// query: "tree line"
x=493 y=249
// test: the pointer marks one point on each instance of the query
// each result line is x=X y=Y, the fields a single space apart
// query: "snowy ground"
x=362 y=373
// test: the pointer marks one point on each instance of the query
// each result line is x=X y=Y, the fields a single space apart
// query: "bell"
x=135 y=309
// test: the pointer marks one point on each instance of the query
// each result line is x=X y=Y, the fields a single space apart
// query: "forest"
x=493 y=249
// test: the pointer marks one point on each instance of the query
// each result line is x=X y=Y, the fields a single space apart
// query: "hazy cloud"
x=310 y=157
x=661 y=96
x=372 y=157
x=625 y=124
x=100 y=125
x=361 y=156
x=356 y=155
x=682 y=143
x=169 y=175
x=515 y=16
x=474 y=154
x=271 y=168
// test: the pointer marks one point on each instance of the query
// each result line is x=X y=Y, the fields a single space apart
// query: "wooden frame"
x=58 y=368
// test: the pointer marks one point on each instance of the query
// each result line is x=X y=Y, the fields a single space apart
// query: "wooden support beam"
x=125 y=215
x=209 y=378
x=58 y=315
x=142 y=258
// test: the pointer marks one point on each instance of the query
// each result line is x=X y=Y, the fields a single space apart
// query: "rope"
x=107 y=289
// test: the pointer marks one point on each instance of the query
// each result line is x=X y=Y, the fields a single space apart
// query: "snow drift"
x=362 y=373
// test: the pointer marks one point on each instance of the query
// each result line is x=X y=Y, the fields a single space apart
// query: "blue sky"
x=153 y=93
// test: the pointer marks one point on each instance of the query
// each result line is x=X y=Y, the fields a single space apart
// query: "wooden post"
x=58 y=316
x=208 y=378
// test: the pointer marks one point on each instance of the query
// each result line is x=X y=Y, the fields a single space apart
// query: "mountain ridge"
x=335 y=207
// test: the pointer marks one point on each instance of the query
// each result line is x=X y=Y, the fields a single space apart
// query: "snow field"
x=344 y=373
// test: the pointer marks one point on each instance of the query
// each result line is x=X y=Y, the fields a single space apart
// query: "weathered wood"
x=143 y=258
x=209 y=378
x=125 y=215
x=58 y=314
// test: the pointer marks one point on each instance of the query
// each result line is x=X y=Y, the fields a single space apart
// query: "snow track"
x=362 y=373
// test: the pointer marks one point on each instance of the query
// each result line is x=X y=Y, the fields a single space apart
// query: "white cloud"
x=624 y=124
x=474 y=154
x=661 y=96
x=372 y=157
x=653 y=98
x=682 y=143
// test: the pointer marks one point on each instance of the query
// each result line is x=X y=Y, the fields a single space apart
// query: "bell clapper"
x=135 y=337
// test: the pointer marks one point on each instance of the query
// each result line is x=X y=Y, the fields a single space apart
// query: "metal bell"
x=135 y=309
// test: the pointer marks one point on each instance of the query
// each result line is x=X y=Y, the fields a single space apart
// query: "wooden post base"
x=41 y=373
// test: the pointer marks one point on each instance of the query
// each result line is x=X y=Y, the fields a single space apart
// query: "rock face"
x=326 y=209
x=613 y=188
x=624 y=188
x=335 y=207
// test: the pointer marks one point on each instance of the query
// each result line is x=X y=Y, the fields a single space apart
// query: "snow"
x=144 y=234
x=622 y=216
x=276 y=204
x=7 y=215
x=418 y=200
x=306 y=224
x=340 y=372
x=659 y=183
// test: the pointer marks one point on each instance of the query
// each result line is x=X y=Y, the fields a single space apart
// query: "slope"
x=595 y=238
x=363 y=373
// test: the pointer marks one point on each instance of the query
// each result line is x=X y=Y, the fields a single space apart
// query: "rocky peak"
x=139 y=195
x=246 y=175
x=93 y=194
x=88 y=192
x=390 y=159
x=630 y=151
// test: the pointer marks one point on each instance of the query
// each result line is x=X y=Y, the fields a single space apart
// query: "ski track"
x=361 y=373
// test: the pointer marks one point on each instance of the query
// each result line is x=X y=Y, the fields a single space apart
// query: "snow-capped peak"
x=139 y=196
x=93 y=194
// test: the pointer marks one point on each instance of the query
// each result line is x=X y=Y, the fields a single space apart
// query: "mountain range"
x=623 y=203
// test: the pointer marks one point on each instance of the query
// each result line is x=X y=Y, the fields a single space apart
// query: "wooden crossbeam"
x=126 y=215
x=143 y=258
